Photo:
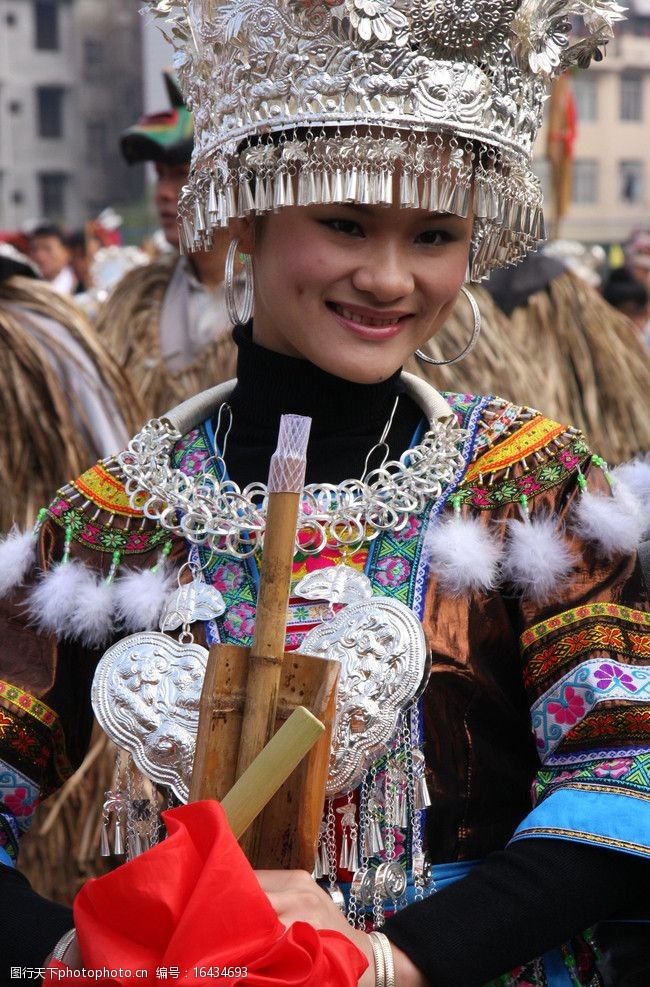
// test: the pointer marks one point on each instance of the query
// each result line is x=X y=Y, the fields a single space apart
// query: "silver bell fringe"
x=464 y=554
x=537 y=560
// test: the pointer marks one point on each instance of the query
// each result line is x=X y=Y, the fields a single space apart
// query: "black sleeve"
x=518 y=904
x=30 y=926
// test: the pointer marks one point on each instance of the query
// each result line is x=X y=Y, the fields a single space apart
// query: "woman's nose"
x=385 y=273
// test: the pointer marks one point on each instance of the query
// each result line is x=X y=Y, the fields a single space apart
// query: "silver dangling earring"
x=476 y=331
x=238 y=318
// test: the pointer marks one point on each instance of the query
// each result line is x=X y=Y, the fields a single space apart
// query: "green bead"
x=582 y=482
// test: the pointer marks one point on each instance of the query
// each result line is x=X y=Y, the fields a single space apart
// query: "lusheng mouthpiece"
x=288 y=463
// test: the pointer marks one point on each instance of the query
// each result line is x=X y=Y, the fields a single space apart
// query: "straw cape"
x=46 y=438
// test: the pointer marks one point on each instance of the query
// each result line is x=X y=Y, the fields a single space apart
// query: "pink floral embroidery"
x=392 y=570
x=410 y=529
x=18 y=803
x=240 y=621
x=528 y=485
x=227 y=577
x=480 y=497
x=568 y=459
x=614 y=769
x=609 y=673
x=569 y=711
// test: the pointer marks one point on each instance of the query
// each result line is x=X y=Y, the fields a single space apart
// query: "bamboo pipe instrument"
x=286 y=479
x=270 y=769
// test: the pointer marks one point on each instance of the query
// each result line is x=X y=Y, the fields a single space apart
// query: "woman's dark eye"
x=347 y=226
x=434 y=236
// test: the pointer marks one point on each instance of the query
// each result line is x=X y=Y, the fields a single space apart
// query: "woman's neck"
x=347 y=418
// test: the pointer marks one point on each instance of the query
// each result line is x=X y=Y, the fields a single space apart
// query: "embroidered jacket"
x=535 y=682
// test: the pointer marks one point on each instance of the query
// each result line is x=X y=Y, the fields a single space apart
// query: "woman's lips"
x=368 y=324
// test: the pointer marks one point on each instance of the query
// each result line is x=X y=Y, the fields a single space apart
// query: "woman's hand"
x=296 y=897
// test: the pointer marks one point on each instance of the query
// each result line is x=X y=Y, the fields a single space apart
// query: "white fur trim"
x=538 y=560
x=614 y=524
x=141 y=596
x=53 y=599
x=636 y=476
x=464 y=555
x=17 y=555
x=93 y=619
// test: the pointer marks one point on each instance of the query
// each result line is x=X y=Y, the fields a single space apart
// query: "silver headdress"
x=317 y=101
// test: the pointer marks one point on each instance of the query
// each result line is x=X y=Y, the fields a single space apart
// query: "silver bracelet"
x=383 y=956
x=61 y=947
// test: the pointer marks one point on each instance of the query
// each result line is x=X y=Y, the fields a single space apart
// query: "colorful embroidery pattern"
x=508 y=490
x=568 y=617
x=18 y=795
x=577 y=693
x=532 y=436
x=105 y=490
x=105 y=537
x=34 y=734
x=623 y=775
x=558 y=644
x=623 y=726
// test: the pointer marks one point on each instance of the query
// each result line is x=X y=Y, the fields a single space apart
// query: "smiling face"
x=353 y=289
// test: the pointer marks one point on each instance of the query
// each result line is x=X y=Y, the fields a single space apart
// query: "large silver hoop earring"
x=238 y=318
x=476 y=332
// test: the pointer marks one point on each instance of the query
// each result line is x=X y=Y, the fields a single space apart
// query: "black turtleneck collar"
x=347 y=418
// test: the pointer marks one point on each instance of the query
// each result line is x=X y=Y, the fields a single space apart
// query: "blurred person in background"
x=82 y=249
x=630 y=296
x=49 y=250
x=166 y=323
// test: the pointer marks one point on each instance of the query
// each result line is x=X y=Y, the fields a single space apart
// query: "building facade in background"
x=611 y=167
x=70 y=82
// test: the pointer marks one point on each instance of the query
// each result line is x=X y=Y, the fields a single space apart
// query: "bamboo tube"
x=286 y=478
x=291 y=821
x=270 y=769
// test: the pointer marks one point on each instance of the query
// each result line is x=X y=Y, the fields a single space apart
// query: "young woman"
x=496 y=528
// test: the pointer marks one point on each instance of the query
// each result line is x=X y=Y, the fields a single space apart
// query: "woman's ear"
x=243 y=230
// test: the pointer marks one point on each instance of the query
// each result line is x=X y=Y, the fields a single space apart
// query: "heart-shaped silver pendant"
x=192 y=601
x=382 y=651
x=336 y=584
x=145 y=695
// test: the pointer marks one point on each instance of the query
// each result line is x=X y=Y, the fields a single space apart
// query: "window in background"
x=93 y=49
x=631 y=97
x=585 y=90
x=50 y=111
x=46 y=21
x=52 y=191
x=630 y=176
x=585 y=181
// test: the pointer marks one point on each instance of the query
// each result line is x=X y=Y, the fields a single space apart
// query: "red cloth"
x=193 y=902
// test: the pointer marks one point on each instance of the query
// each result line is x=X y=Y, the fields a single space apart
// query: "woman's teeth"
x=364 y=320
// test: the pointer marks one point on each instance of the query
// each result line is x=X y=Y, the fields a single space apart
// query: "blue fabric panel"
x=609 y=819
